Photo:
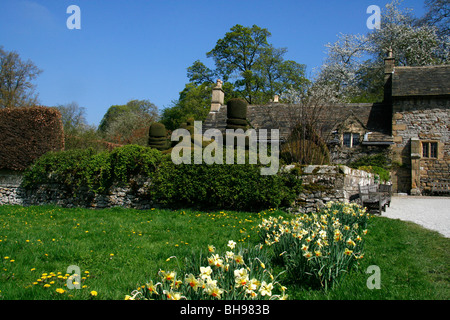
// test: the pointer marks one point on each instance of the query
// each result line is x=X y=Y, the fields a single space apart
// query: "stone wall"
x=416 y=120
x=329 y=183
x=11 y=192
x=321 y=184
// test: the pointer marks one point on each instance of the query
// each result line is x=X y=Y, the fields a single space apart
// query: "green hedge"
x=230 y=186
x=74 y=169
x=219 y=186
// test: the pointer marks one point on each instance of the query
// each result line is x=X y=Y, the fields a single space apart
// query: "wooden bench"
x=375 y=196
x=440 y=187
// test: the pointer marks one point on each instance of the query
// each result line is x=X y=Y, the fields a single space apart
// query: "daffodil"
x=231 y=244
x=266 y=289
x=253 y=284
x=238 y=258
x=348 y=252
x=152 y=287
x=350 y=242
x=205 y=272
x=172 y=295
x=192 y=281
x=211 y=248
x=168 y=276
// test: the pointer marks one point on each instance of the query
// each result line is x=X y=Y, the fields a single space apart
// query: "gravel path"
x=430 y=212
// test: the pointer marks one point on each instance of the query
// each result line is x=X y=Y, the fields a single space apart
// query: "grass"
x=119 y=249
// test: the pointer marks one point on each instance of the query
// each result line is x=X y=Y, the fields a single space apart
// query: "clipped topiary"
x=157 y=137
x=237 y=117
x=236 y=109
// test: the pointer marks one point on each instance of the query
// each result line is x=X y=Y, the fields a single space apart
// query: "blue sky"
x=140 y=49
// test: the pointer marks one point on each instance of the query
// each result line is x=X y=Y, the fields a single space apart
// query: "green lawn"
x=119 y=249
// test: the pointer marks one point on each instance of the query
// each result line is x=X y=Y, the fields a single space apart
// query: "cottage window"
x=429 y=149
x=350 y=139
x=355 y=139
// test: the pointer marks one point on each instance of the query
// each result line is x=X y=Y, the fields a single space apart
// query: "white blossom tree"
x=354 y=63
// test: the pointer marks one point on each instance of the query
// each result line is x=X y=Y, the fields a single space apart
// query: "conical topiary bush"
x=157 y=136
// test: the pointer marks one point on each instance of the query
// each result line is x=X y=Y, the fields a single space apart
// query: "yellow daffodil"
x=205 y=272
x=192 y=281
x=231 y=244
x=152 y=287
x=348 y=252
x=266 y=289
x=238 y=258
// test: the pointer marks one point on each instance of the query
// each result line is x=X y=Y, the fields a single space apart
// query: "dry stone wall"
x=321 y=184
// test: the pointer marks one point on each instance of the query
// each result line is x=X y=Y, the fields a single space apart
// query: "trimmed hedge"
x=28 y=133
x=217 y=186
x=75 y=169
x=224 y=186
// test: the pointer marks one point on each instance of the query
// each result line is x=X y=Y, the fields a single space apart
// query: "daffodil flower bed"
x=318 y=247
x=233 y=275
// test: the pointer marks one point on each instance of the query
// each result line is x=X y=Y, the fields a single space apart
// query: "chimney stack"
x=217 y=98
x=389 y=62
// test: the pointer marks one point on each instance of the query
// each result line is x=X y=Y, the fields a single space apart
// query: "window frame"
x=430 y=149
x=352 y=137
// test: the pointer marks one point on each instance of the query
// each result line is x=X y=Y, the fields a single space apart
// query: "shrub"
x=234 y=275
x=233 y=186
x=381 y=174
x=230 y=186
x=157 y=137
x=377 y=160
x=74 y=169
x=236 y=109
x=28 y=133
x=318 y=249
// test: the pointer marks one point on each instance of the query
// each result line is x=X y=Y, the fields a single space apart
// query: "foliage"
x=77 y=169
x=28 y=133
x=319 y=248
x=355 y=63
x=237 y=186
x=381 y=175
x=128 y=124
x=78 y=134
x=158 y=137
x=259 y=69
x=16 y=76
x=229 y=186
x=378 y=164
x=377 y=160
x=305 y=146
x=237 y=274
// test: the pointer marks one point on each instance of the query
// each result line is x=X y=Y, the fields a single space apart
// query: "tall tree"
x=16 y=75
x=438 y=14
x=257 y=68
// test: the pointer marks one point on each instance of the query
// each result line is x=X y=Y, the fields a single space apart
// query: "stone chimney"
x=217 y=98
x=389 y=62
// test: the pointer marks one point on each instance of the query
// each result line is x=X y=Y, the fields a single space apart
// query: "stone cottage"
x=410 y=126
